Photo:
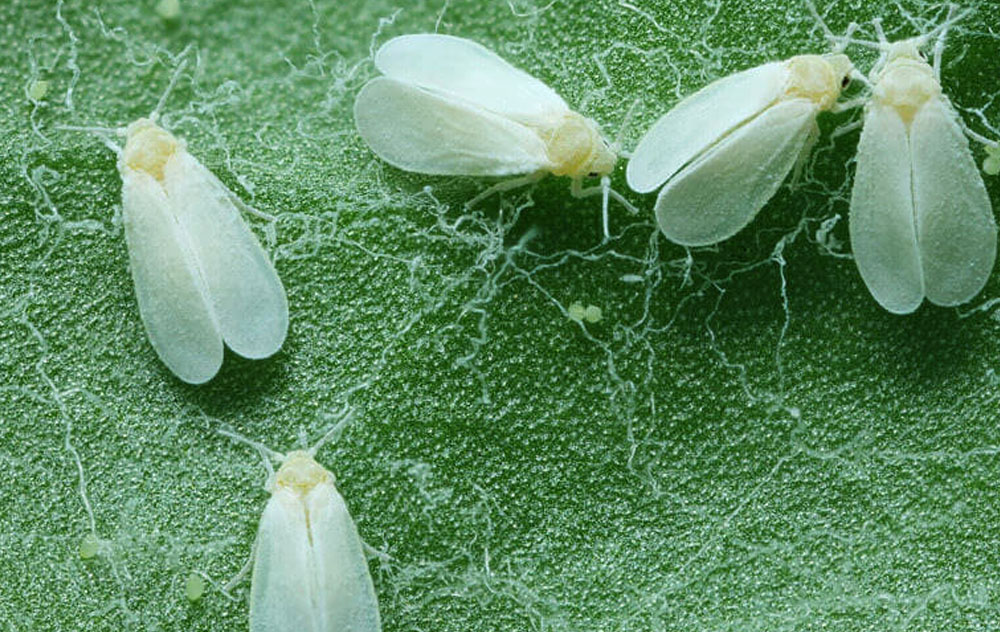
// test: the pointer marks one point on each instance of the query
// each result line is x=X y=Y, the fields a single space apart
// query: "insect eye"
x=845 y=81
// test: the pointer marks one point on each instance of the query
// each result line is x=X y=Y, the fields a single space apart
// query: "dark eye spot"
x=845 y=81
x=592 y=174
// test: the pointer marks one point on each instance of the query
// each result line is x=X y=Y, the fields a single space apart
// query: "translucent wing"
x=244 y=289
x=883 y=235
x=285 y=587
x=717 y=195
x=700 y=120
x=345 y=585
x=309 y=571
x=416 y=130
x=464 y=70
x=168 y=285
x=955 y=226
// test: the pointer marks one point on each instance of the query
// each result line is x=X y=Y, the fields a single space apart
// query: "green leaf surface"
x=744 y=441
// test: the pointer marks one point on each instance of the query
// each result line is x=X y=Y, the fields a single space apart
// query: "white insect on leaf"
x=168 y=9
x=194 y=587
x=991 y=164
x=309 y=565
x=722 y=153
x=448 y=106
x=576 y=311
x=921 y=222
x=38 y=89
x=89 y=546
x=201 y=276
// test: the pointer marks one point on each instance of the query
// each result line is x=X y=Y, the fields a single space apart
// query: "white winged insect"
x=921 y=223
x=201 y=277
x=309 y=566
x=449 y=106
x=723 y=152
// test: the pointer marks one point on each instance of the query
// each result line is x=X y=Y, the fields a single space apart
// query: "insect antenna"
x=174 y=78
x=344 y=417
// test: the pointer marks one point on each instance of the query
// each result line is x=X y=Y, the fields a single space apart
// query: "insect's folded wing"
x=955 y=226
x=345 y=587
x=883 y=233
x=700 y=120
x=172 y=296
x=244 y=289
x=467 y=71
x=416 y=130
x=717 y=195
x=284 y=587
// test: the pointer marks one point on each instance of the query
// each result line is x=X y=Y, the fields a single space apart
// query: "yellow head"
x=299 y=473
x=906 y=81
x=148 y=147
x=576 y=147
x=819 y=78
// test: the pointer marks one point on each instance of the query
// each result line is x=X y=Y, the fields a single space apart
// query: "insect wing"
x=285 y=586
x=244 y=289
x=172 y=295
x=467 y=71
x=416 y=130
x=717 y=195
x=955 y=226
x=700 y=120
x=345 y=584
x=310 y=573
x=883 y=234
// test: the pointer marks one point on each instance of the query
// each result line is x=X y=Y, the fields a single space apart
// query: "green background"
x=746 y=441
